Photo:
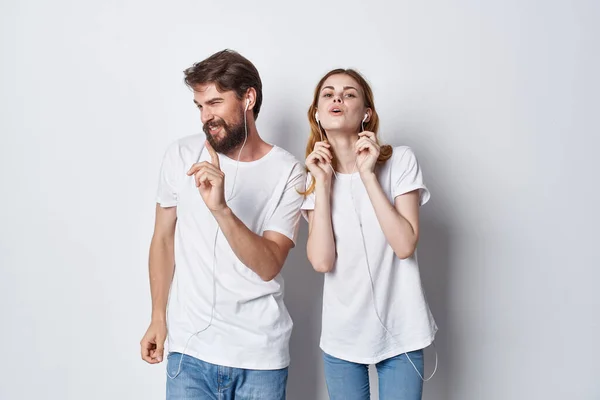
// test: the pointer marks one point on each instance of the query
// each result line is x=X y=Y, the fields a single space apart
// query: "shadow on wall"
x=303 y=298
x=433 y=253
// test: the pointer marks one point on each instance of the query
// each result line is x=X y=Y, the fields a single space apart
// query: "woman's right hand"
x=319 y=162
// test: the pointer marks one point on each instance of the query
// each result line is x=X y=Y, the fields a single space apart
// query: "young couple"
x=227 y=214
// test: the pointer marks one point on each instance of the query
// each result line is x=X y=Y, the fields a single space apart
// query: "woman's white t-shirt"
x=351 y=329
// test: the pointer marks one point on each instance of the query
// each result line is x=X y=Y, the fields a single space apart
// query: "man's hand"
x=153 y=342
x=210 y=181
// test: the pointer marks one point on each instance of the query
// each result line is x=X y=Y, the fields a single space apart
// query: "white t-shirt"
x=350 y=329
x=251 y=326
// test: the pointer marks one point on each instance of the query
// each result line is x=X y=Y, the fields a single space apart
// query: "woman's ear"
x=368 y=115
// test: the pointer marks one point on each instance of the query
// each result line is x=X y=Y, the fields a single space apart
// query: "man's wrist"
x=159 y=317
x=222 y=212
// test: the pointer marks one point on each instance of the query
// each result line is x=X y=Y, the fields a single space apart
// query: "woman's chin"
x=340 y=131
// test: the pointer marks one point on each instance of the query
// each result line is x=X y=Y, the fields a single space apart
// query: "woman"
x=362 y=205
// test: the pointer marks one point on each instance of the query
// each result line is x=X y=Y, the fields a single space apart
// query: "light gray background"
x=499 y=99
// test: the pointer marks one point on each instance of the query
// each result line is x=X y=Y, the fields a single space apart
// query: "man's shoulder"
x=285 y=157
x=190 y=142
x=187 y=146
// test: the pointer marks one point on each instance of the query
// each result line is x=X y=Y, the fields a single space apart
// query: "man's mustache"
x=213 y=124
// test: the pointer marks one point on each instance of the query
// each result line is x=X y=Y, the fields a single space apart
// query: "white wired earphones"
x=322 y=139
x=214 y=285
x=373 y=290
x=367 y=257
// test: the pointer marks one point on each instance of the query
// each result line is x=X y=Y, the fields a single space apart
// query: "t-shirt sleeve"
x=407 y=175
x=286 y=217
x=308 y=203
x=170 y=177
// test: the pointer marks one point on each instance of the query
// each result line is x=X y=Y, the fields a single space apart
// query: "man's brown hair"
x=228 y=70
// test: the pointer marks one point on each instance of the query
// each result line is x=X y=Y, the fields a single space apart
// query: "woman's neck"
x=343 y=145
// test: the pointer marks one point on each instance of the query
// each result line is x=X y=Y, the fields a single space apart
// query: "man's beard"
x=234 y=135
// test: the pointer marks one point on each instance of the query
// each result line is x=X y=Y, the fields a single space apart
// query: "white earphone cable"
x=214 y=284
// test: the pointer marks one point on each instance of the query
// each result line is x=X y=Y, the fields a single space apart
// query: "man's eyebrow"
x=209 y=101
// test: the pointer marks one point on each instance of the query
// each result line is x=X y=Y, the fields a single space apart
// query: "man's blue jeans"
x=201 y=380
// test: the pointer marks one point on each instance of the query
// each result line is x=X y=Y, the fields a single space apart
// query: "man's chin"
x=226 y=140
x=215 y=141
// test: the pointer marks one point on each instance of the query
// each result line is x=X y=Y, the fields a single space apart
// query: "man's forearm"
x=256 y=252
x=161 y=267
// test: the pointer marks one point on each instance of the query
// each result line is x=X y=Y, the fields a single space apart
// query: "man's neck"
x=254 y=149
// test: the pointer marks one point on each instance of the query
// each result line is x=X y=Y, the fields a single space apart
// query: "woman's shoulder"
x=402 y=151
x=402 y=156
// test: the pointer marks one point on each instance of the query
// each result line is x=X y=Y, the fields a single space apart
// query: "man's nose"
x=205 y=116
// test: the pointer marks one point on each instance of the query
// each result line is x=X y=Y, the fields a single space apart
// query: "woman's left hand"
x=367 y=151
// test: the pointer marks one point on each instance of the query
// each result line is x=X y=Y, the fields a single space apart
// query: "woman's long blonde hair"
x=372 y=125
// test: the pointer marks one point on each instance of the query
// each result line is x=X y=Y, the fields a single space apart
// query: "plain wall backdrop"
x=499 y=100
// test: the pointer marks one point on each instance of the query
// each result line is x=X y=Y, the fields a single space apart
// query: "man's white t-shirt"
x=351 y=329
x=251 y=326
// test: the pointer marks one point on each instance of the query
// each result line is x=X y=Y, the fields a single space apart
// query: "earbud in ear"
x=365 y=118
x=247 y=104
x=317 y=116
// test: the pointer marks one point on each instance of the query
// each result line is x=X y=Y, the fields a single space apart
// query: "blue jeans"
x=201 y=380
x=398 y=379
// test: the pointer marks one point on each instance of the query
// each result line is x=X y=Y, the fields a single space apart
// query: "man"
x=226 y=217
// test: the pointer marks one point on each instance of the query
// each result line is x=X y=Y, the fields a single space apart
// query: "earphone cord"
x=214 y=284
x=371 y=277
x=321 y=132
